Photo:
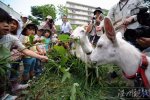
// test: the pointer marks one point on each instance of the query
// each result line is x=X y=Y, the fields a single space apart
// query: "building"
x=9 y=10
x=79 y=14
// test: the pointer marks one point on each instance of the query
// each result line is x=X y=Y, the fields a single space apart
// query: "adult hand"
x=144 y=42
x=128 y=20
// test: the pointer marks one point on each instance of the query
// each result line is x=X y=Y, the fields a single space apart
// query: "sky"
x=24 y=6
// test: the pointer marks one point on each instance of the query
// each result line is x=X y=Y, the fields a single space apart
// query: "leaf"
x=4 y=53
x=60 y=49
x=43 y=41
x=64 y=38
x=65 y=76
x=73 y=91
x=31 y=38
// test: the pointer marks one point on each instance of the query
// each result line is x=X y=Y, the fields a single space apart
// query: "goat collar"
x=141 y=70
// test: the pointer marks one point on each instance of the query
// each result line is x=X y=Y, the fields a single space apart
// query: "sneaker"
x=8 y=97
x=20 y=87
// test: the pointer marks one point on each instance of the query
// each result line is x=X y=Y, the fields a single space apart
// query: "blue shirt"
x=47 y=43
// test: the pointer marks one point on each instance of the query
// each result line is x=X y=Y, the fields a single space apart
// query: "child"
x=29 y=62
x=39 y=40
x=54 y=39
x=6 y=42
x=17 y=56
x=47 y=37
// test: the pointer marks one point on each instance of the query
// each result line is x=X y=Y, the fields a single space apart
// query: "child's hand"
x=44 y=58
x=40 y=53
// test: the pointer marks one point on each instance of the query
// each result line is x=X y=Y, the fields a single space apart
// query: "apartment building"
x=79 y=14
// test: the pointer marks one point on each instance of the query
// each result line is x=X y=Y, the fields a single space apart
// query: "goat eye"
x=100 y=45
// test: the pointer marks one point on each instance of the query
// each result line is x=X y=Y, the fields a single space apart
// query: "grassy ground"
x=49 y=86
x=64 y=79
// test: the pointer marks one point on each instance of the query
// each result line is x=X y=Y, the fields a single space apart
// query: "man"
x=66 y=27
x=25 y=20
x=120 y=14
x=94 y=28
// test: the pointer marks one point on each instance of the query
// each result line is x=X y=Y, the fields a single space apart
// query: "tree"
x=34 y=20
x=40 y=12
x=62 y=10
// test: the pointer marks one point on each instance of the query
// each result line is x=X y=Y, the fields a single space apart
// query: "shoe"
x=19 y=87
x=8 y=97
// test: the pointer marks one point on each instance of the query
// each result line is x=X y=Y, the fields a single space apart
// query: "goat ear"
x=110 y=32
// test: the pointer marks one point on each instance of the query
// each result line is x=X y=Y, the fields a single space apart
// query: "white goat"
x=113 y=49
x=82 y=47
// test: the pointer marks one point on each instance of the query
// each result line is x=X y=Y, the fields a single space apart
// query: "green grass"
x=49 y=86
x=63 y=71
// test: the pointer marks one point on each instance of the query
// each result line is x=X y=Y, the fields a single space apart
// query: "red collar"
x=141 y=70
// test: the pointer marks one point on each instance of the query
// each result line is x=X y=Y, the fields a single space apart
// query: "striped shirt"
x=9 y=40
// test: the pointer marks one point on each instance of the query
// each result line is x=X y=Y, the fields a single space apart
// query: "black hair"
x=42 y=31
x=47 y=30
x=50 y=23
x=4 y=16
x=98 y=9
x=29 y=26
x=15 y=31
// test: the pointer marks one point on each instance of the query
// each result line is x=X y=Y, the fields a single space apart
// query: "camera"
x=94 y=19
x=143 y=18
x=51 y=21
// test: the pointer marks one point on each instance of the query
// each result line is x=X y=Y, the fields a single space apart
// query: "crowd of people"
x=27 y=44
x=15 y=37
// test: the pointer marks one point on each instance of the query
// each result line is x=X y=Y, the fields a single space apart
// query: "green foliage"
x=64 y=38
x=105 y=12
x=31 y=39
x=42 y=11
x=4 y=59
x=35 y=21
x=62 y=54
x=4 y=53
x=73 y=91
x=64 y=79
x=58 y=28
x=62 y=10
x=43 y=40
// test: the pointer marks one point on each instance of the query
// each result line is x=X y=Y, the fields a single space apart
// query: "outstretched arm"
x=35 y=55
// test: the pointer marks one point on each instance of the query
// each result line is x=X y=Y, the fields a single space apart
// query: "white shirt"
x=122 y=10
x=40 y=45
x=9 y=40
x=66 y=27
